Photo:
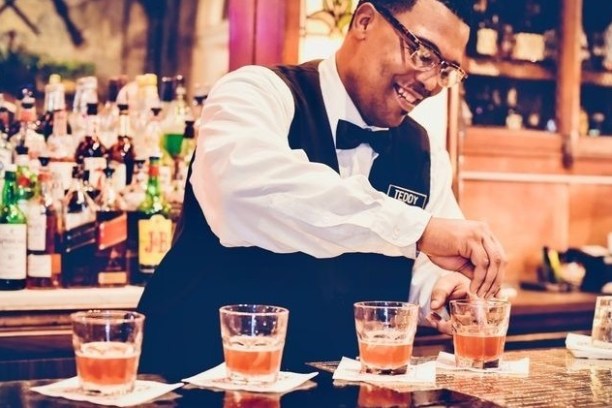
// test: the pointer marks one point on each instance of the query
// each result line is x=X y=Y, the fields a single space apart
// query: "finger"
x=444 y=326
x=451 y=286
x=480 y=260
x=499 y=279
x=486 y=289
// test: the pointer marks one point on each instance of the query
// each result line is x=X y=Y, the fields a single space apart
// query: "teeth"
x=405 y=95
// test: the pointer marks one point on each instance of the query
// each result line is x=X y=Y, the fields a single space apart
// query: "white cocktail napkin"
x=446 y=362
x=421 y=374
x=144 y=391
x=581 y=347
x=216 y=377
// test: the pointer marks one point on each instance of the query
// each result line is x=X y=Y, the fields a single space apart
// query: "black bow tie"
x=349 y=136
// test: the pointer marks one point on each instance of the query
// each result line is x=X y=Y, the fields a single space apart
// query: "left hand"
x=448 y=287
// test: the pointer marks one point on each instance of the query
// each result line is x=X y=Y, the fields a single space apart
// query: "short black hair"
x=464 y=9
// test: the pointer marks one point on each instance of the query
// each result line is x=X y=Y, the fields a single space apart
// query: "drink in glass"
x=601 y=335
x=385 y=334
x=253 y=340
x=107 y=349
x=479 y=331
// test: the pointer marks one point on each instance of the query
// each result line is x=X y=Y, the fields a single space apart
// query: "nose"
x=429 y=79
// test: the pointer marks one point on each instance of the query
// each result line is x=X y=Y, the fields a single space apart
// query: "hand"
x=468 y=247
x=448 y=287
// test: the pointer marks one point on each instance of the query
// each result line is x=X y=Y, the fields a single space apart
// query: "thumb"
x=438 y=297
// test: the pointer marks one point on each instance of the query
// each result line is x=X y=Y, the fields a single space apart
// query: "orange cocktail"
x=107 y=364
x=385 y=356
x=253 y=340
x=254 y=360
x=385 y=333
x=486 y=348
x=107 y=349
x=479 y=331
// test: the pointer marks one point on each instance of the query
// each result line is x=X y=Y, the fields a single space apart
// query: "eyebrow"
x=435 y=47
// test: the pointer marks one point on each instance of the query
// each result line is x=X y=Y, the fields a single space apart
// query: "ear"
x=364 y=15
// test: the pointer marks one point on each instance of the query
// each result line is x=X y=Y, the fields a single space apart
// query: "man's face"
x=382 y=80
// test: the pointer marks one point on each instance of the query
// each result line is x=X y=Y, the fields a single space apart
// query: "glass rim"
x=105 y=315
x=389 y=304
x=273 y=310
x=488 y=302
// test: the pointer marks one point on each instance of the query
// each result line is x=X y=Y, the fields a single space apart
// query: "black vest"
x=199 y=275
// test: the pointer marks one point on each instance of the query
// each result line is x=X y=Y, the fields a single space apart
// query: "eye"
x=426 y=56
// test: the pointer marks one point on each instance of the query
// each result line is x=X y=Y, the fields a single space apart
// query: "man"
x=281 y=208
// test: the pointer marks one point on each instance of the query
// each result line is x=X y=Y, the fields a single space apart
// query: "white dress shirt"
x=254 y=190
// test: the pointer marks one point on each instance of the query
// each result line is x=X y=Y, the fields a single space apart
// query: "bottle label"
x=40 y=266
x=13 y=251
x=486 y=42
x=75 y=220
x=37 y=228
x=529 y=47
x=79 y=237
x=112 y=232
x=154 y=238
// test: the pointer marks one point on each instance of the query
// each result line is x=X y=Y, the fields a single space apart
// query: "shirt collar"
x=338 y=103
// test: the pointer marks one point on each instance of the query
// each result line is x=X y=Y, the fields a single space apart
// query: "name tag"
x=407 y=196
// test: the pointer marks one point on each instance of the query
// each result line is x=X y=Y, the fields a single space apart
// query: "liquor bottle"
x=111 y=241
x=90 y=153
x=154 y=225
x=122 y=151
x=78 y=235
x=173 y=126
x=60 y=144
x=45 y=122
x=488 y=30
x=529 y=38
x=13 y=230
x=152 y=136
x=86 y=94
x=28 y=135
x=133 y=195
x=91 y=191
x=514 y=120
x=44 y=260
x=109 y=116
x=26 y=179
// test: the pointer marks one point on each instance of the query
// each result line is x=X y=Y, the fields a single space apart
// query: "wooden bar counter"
x=556 y=379
x=35 y=337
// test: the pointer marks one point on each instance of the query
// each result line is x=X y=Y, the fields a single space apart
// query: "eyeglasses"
x=423 y=57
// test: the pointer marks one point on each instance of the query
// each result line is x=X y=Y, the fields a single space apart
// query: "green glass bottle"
x=13 y=236
x=154 y=226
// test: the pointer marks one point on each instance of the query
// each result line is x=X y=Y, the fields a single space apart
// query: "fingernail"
x=435 y=316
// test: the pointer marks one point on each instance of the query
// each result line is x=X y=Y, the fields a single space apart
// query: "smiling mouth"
x=407 y=97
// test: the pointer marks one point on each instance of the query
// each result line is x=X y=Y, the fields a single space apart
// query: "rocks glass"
x=107 y=347
x=385 y=333
x=601 y=336
x=253 y=341
x=479 y=331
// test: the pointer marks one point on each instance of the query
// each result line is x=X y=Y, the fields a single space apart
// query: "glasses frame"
x=412 y=40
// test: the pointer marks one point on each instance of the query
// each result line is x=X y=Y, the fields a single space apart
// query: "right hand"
x=468 y=247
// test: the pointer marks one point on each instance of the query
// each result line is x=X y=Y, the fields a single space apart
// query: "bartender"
x=311 y=188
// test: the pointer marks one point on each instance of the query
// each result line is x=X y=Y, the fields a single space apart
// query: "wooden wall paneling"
x=590 y=214
x=569 y=73
x=269 y=31
x=291 y=46
x=242 y=32
x=524 y=216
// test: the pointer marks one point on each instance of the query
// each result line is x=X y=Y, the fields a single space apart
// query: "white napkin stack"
x=216 y=378
x=144 y=391
x=421 y=374
x=580 y=346
x=446 y=362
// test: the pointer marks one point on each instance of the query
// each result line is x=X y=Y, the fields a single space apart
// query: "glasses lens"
x=449 y=76
x=424 y=58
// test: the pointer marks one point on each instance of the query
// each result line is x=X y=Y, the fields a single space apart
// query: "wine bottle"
x=13 y=233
